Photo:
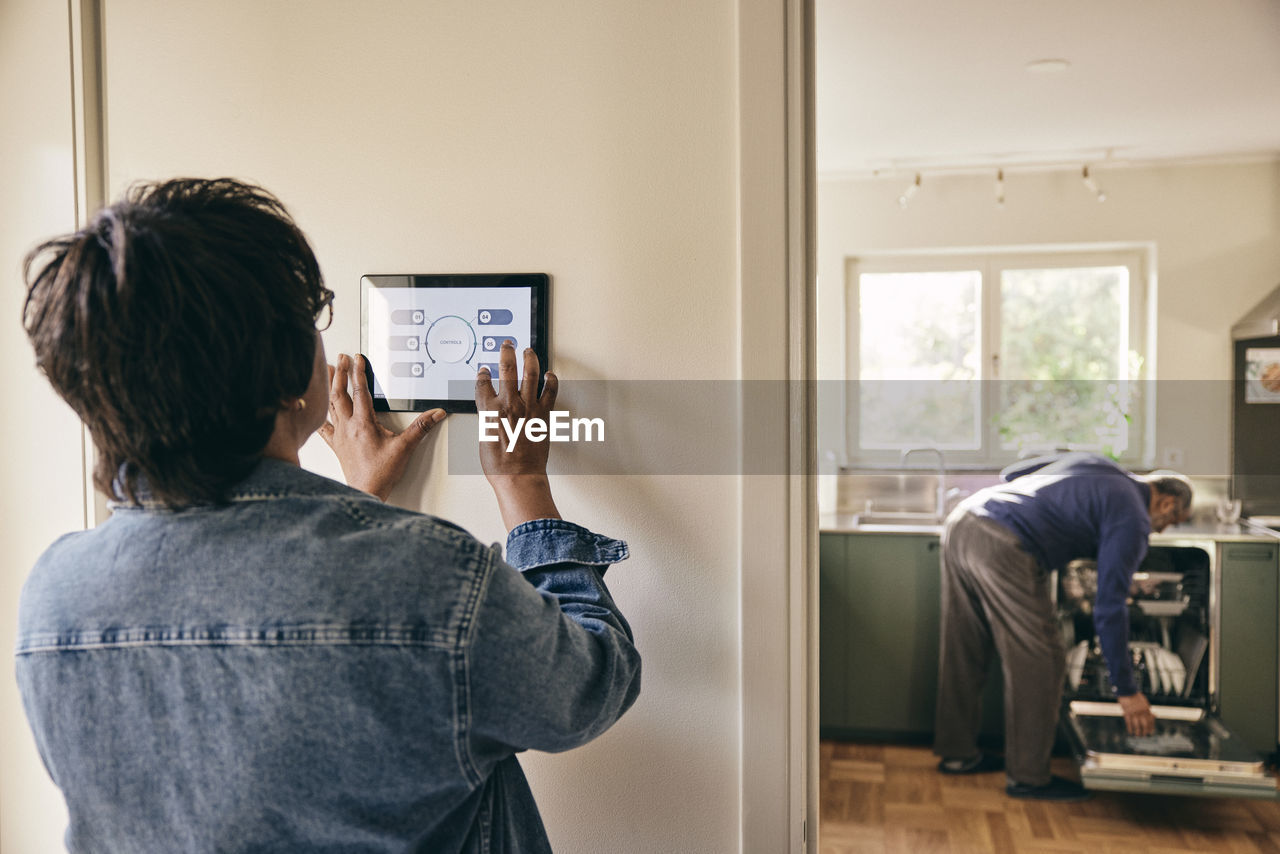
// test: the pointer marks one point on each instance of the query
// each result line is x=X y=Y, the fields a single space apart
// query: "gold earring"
x=302 y=404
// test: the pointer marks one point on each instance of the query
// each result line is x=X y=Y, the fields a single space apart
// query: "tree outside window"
x=993 y=357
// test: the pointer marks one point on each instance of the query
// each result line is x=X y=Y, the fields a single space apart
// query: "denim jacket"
x=307 y=669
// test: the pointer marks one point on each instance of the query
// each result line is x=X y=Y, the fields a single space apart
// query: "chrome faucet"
x=940 y=498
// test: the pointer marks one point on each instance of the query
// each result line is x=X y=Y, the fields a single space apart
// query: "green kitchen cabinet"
x=879 y=632
x=834 y=603
x=879 y=613
x=1249 y=679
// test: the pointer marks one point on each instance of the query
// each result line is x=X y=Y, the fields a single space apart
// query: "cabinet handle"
x=1265 y=553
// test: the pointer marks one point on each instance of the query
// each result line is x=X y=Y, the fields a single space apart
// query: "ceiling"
x=942 y=84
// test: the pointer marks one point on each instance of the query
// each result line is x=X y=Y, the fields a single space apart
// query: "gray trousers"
x=995 y=598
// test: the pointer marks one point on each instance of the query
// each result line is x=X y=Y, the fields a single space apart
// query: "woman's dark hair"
x=176 y=324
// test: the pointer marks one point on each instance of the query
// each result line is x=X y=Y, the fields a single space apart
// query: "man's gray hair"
x=1171 y=483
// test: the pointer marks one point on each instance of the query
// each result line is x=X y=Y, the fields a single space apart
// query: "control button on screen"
x=451 y=339
x=408 y=369
x=493 y=344
x=495 y=317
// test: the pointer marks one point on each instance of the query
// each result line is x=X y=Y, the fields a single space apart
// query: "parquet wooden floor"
x=886 y=799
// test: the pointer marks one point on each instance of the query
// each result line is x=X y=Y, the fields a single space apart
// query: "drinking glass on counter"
x=1228 y=510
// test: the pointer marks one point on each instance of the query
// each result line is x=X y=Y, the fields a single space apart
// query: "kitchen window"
x=995 y=356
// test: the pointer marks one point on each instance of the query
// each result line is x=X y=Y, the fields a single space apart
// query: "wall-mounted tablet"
x=425 y=335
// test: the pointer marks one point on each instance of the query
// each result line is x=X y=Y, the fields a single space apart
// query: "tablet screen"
x=426 y=335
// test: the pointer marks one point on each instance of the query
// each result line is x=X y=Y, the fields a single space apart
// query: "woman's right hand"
x=517 y=471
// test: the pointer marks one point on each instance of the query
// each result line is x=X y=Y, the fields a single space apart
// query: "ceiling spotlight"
x=911 y=190
x=1092 y=185
x=1000 y=188
x=1047 y=66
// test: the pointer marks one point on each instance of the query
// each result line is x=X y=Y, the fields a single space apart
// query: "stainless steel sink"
x=888 y=491
x=891 y=517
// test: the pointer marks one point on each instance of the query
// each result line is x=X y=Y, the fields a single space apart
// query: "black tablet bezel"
x=539 y=288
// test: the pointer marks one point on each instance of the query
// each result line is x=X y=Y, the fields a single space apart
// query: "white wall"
x=595 y=141
x=40 y=454
x=1216 y=229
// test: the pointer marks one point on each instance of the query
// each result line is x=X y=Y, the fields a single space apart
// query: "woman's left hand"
x=373 y=458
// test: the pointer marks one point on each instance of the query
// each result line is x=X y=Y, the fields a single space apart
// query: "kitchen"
x=1092 y=152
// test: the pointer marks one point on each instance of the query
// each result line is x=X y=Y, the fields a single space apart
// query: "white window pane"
x=918 y=355
x=1064 y=358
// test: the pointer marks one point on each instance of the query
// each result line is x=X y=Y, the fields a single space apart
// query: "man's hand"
x=1138 y=719
x=373 y=458
x=518 y=476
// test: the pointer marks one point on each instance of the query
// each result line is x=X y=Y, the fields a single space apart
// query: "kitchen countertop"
x=845 y=523
x=1236 y=532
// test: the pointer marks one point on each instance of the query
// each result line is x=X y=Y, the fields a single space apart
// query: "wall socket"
x=1173 y=458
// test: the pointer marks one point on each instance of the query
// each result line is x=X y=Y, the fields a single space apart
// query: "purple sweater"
x=1081 y=506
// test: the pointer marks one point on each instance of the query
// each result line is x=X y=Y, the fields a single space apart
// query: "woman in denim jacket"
x=250 y=657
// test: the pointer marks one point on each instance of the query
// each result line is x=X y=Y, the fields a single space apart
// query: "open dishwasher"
x=1173 y=636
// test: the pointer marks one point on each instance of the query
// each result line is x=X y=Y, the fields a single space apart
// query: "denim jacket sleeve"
x=552 y=662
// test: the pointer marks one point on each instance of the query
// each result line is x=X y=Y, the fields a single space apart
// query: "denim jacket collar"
x=270 y=478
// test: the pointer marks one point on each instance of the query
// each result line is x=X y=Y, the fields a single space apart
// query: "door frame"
x=89 y=158
x=778 y=508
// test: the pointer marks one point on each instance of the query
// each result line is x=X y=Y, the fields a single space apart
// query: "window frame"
x=990 y=263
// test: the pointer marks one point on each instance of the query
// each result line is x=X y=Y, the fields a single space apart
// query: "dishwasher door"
x=1191 y=753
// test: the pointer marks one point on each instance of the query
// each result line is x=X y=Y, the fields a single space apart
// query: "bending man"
x=997 y=550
